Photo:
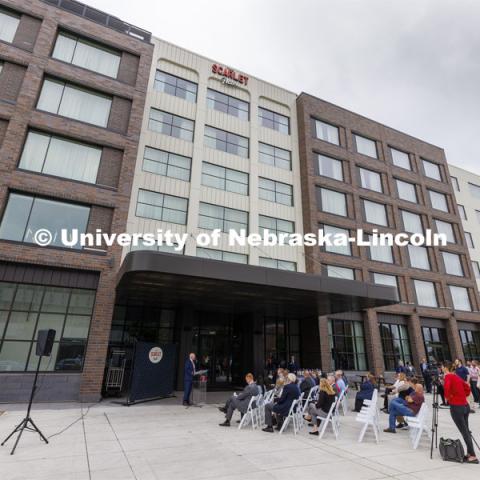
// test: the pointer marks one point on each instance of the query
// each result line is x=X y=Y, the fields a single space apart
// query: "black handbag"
x=451 y=450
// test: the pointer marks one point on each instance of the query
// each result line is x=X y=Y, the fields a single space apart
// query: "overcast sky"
x=411 y=64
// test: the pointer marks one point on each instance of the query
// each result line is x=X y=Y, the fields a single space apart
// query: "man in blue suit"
x=188 y=374
x=290 y=392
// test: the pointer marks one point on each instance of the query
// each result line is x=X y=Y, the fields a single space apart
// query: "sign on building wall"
x=230 y=76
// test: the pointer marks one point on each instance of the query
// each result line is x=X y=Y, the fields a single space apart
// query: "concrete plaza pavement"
x=164 y=440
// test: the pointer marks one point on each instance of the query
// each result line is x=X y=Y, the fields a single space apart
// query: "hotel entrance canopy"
x=170 y=280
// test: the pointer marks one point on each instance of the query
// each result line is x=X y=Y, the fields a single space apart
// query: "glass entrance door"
x=215 y=343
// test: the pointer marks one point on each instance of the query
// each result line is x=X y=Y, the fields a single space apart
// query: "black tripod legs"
x=24 y=425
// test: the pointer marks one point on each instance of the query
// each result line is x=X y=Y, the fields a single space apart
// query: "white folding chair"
x=311 y=395
x=332 y=418
x=369 y=416
x=250 y=415
x=418 y=425
x=344 y=402
x=292 y=415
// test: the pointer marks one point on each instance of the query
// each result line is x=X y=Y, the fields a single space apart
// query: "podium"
x=199 y=388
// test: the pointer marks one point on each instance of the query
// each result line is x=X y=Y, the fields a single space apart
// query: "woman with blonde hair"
x=326 y=397
x=393 y=389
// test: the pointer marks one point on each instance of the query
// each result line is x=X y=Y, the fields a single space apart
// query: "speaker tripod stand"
x=27 y=423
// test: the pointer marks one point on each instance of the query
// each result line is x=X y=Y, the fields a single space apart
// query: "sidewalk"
x=163 y=440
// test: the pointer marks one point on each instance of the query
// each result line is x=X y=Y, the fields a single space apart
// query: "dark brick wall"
x=110 y=205
x=11 y=80
x=110 y=167
x=27 y=32
x=128 y=68
x=119 y=115
x=310 y=107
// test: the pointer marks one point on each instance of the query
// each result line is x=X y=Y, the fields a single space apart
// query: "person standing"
x=188 y=374
x=474 y=372
x=426 y=374
x=456 y=393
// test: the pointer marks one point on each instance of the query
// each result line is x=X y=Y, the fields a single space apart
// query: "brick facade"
x=30 y=51
x=348 y=123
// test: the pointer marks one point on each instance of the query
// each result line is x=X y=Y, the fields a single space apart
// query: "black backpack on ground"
x=451 y=450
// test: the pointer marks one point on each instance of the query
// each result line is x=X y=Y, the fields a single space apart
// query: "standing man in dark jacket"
x=426 y=374
x=188 y=374
x=290 y=393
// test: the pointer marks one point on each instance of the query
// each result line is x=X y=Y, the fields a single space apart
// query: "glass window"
x=462 y=212
x=87 y=54
x=274 y=120
x=278 y=264
x=328 y=133
x=274 y=191
x=436 y=344
x=275 y=225
x=340 y=272
x=8 y=25
x=426 y=295
x=380 y=253
x=375 y=213
x=347 y=344
x=412 y=222
x=169 y=124
x=222 y=255
x=215 y=216
x=225 y=179
x=476 y=269
x=38 y=307
x=227 y=104
x=25 y=215
x=371 y=180
x=445 y=228
x=60 y=157
x=339 y=239
x=176 y=86
x=471 y=344
x=275 y=156
x=400 y=159
x=460 y=298
x=330 y=167
x=432 y=170
x=226 y=141
x=159 y=206
x=438 y=200
x=469 y=239
x=455 y=183
x=453 y=263
x=474 y=189
x=395 y=345
x=167 y=164
x=70 y=101
x=333 y=202
x=384 y=279
x=419 y=257
x=406 y=191
x=365 y=146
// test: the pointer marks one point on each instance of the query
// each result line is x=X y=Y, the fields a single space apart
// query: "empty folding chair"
x=418 y=425
x=369 y=416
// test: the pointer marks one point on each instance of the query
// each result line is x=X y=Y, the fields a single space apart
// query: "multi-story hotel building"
x=104 y=128
x=357 y=173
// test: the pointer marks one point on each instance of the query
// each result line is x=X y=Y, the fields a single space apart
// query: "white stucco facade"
x=194 y=68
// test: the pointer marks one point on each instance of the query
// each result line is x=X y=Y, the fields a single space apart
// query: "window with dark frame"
x=167 y=164
x=395 y=345
x=170 y=124
x=347 y=344
x=471 y=344
x=226 y=141
x=436 y=344
x=221 y=102
x=273 y=120
x=176 y=86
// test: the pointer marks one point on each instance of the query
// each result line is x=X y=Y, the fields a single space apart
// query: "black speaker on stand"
x=45 y=340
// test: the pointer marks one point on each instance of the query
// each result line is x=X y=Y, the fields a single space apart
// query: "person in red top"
x=456 y=393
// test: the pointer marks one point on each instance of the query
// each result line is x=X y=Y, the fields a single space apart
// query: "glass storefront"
x=25 y=309
x=395 y=344
x=436 y=344
x=471 y=344
x=347 y=344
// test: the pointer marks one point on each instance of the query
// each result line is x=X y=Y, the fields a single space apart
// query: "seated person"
x=393 y=389
x=331 y=380
x=339 y=381
x=326 y=397
x=365 y=392
x=406 y=407
x=281 y=408
x=404 y=391
x=307 y=383
x=241 y=401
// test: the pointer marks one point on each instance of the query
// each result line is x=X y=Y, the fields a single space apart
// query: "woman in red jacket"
x=456 y=393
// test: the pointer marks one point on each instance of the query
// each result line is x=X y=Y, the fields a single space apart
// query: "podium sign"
x=153 y=372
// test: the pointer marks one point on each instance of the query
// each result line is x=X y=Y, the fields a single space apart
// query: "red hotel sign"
x=231 y=77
